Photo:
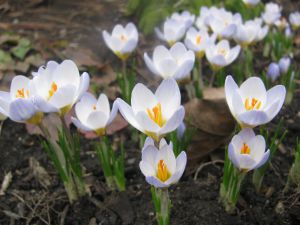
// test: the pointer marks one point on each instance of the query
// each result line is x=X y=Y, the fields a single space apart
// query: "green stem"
x=231 y=186
x=162 y=205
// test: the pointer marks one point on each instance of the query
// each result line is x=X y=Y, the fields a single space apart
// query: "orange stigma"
x=162 y=171
x=222 y=51
x=94 y=107
x=53 y=89
x=255 y=104
x=245 y=149
x=198 y=39
x=156 y=115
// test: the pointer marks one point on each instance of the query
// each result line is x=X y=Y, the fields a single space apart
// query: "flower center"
x=21 y=93
x=222 y=51
x=94 y=107
x=162 y=171
x=53 y=89
x=123 y=38
x=198 y=39
x=254 y=104
x=156 y=115
x=245 y=149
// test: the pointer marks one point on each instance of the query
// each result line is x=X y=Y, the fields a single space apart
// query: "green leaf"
x=23 y=47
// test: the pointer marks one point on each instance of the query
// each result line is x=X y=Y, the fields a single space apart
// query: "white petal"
x=107 y=39
x=177 y=50
x=129 y=46
x=160 y=53
x=234 y=52
x=21 y=110
x=168 y=94
x=63 y=96
x=147 y=169
x=246 y=134
x=230 y=88
x=245 y=161
x=146 y=123
x=80 y=125
x=257 y=147
x=43 y=105
x=263 y=160
x=66 y=73
x=254 y=87
x=156 y=182
x=97 y=120
x=167 y=67
x=113 y=113
x=173 y=122
x=253 y=118
x=83 y=86
x=162 y=143
x=142 y=99
x=275 y=94
x=148 y=141
x=149 y=153
x=18 y=83
x=103 y=105
x=232 y=155
x=151 y=66
x=128 y=114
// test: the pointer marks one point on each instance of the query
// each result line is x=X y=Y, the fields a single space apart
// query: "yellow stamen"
x=198 y=39
x=255 y=104
x=245 y=149
x=156 y=115
x=162 y=171
x=53 y=89
x=21 y=93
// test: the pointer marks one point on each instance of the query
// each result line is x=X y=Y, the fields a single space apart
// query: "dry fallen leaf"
x=6 y=182
x=39 y=172
x=213 y=123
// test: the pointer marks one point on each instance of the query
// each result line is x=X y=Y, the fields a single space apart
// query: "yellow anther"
x=245 y=149
x=21 y=93
x=94 y=107
x=198 y=39
x=156 y=115
x=123 y=38
x=222 y=51
x=162 y=171
x=255 y=104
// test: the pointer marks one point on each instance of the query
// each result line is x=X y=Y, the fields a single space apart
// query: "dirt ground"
x=72 y=29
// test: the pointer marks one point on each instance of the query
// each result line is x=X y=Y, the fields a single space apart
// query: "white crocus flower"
x=184 y=17
x=250 y=32
x=220 y=55
x=57 y=87
x=123 y=40
x=154 y=114
x=202 y=21
x=247 y=151
x=173 y=31
x=198 y=41
x=251 y=2
x=94 y=115
x=251 y=104
x=224 y=23
x=18 y=103
x=281 y=24
x=175 y=63
x=294 y=19
x=272 y=13
x=160 y=166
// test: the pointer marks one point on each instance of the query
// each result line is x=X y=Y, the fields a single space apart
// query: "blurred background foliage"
x=150 y=13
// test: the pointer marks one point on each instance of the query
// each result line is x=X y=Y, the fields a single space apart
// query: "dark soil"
x=195 y=201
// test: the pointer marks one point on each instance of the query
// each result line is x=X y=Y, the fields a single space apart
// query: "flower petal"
x=173 y=122
x=21 y=110
x=142 y=99
x=254 y=87
x=146 y=169
x=253 y=118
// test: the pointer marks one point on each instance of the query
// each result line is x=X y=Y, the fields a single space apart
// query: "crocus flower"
x=154 y=114
x=251 y=2
x=175 y=63
x=123 y=40
x=281 y=24
x=57 y=87
x=173 y=31
x=251 y=104
x=18 y=103
x=273 y=71
x=224 y=23
x=160 y=166
x=272 y=13
x=284 y=64
x=202 y=21
x=220 y=55
x=92 y=114
x=247 y=151
x=184 y=17
x=246 y=33
x=288 y=32
x=198 y=41
x=294 y=19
